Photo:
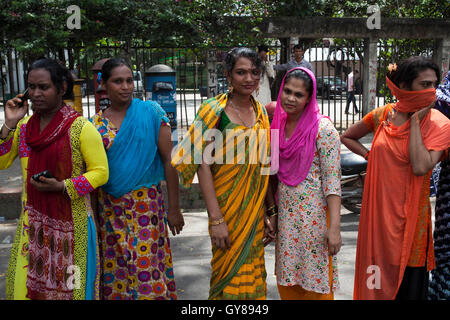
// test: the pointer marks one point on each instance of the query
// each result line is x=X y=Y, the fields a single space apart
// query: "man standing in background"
x=351 y=91
x=263 y=94
x=298 y=61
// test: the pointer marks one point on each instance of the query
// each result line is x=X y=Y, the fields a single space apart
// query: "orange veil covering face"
x=390 y=205
x=411 y=101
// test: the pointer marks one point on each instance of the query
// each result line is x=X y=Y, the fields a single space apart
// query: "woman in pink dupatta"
x=307 y=154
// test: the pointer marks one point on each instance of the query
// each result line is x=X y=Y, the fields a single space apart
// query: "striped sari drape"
x=239 y=272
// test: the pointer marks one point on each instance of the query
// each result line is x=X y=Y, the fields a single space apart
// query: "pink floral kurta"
x=301 y=251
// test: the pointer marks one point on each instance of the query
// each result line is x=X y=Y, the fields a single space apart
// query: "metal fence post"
x=211 y=63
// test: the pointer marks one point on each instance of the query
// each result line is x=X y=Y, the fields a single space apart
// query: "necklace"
x=238 y=113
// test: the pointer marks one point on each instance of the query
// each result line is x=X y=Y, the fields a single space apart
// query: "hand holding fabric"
x=423 y=112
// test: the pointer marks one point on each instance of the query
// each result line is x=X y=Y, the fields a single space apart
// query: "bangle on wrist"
x=217 y=222
x=64 y=190
x=272 y=211
x=366 y=156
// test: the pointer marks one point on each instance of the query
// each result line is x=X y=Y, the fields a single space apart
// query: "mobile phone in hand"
x=45 y=173
x=24 y=98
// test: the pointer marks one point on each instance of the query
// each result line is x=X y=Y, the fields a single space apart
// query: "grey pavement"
x=192 y=255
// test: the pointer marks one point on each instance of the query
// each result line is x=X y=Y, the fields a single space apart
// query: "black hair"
x=301 y=75
x=298 y=46
x=409 y=69
x=110 y=64
x=58 y=74
x=241 y=52
x=263 y=48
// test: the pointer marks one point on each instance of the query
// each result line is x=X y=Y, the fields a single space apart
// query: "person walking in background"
x=440 y=281
x=351 y=90
x=309 y=190
x=77 y=72
x=136 y=254
x=297 y=61
x=234 y=191
x=56 y=233
x=263 y=92
x=395 y=247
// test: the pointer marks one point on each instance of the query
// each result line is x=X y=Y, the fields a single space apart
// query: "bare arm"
x=350 y=138
x=329 y=155
x=271 y=222
x=219 y=232
x=270 y=198
x=333 y=235
x=175 y=219
x=422 y=160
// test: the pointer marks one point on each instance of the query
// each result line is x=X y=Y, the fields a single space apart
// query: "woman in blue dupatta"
x=136 y=254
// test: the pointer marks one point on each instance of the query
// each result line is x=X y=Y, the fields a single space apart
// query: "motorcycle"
x=353 y=168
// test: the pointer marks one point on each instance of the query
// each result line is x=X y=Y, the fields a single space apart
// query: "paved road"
x=192 y=255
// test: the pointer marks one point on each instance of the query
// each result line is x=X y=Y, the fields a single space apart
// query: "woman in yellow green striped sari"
x=233 y=178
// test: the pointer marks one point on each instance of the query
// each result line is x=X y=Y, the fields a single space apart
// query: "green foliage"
x=35 y=27
x=343 y=8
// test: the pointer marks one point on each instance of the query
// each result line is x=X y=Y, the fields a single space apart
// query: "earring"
x=230 y=89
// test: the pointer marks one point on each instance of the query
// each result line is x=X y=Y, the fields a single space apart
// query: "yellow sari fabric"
x=239 y=272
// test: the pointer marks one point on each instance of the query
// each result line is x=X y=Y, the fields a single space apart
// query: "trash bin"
x=160 y=86
x=101 y=97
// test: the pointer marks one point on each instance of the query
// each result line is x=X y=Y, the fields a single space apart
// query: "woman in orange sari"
x=395 y=248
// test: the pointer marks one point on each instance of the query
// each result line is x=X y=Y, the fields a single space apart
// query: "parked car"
x=330 y=86
x=222 y=86
x=138 y=85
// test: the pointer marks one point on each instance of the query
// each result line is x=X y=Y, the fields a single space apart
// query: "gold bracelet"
x=272 y=211
x=366 y=156
x=217 y=222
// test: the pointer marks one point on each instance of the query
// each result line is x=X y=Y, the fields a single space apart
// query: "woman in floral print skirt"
x=136 y=254
x=308 y=221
